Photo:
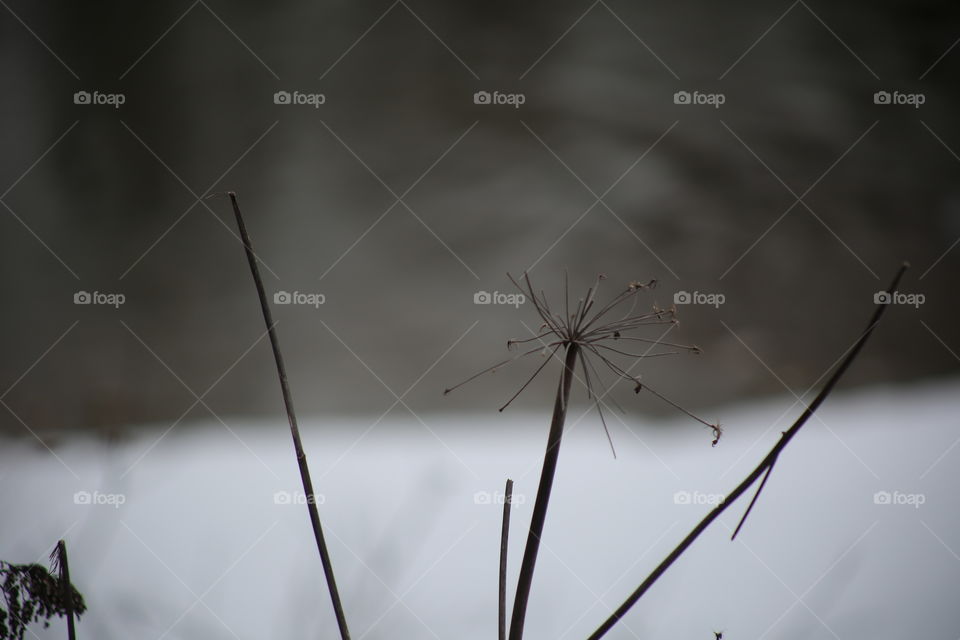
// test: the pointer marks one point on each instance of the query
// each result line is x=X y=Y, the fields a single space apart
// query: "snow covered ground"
x=200 y=534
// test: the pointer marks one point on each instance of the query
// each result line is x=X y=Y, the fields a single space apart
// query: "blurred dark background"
x=796 y=199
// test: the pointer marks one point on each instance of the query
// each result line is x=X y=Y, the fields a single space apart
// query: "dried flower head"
x=602 y=337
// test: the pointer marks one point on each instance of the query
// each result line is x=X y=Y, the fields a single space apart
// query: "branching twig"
x=753 y=500
x=504 y=539
x=294 y=429
x=765 y=466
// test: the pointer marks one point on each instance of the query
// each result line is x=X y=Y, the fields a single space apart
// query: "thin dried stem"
x=631 y=291
x=592 y=395
x=510 y=343
x=688 y=347
x=646 y=387
x=753 y=500
x=294 y=429
x=603 y=387
x=498 y=365
x=504 y=539
x=637 y=355
x=546 y=361
x=62 y=566
x=763 y=468
x=547 y=474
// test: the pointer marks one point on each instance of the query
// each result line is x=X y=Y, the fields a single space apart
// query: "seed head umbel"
x=608 y=347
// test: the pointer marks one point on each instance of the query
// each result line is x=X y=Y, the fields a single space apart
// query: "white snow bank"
x=191 y=536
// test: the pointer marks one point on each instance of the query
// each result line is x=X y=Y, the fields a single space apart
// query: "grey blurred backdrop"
x=400 y=196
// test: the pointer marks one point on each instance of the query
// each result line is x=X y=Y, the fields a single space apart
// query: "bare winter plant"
x=31 y=593
x=587 y=335
x=598 y=339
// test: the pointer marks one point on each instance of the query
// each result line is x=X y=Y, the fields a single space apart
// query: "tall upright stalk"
x=585 y=333
x=294 y=429
x=67 y=587
x=504 y=543
x=547 y=474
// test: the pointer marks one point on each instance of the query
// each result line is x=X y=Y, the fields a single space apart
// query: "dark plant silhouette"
x=586 y=337
x=592 y=338
x=31 y=593
x=504 y=538
x=595 y=338
x=294 y=429
x=764 y=469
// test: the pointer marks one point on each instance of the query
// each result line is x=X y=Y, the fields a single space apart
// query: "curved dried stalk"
x=763 y=469
x=294 y=429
